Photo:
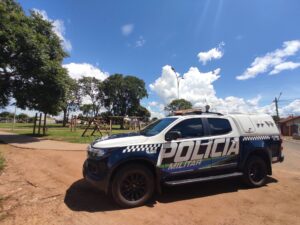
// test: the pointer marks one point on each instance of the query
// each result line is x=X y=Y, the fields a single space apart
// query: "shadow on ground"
x=81 y=196
x=18 y=138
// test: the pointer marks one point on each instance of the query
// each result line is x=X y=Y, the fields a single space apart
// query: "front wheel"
x=255 y=172
x=133 y=186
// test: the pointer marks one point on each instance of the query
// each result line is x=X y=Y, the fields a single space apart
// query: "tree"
x=143 y=113
x=72 y=99
x=178 y=104
x=123 y=94
x=30 y=61
x=22 y=117
x=87 y=110
x=91 y=87
x=6 y=115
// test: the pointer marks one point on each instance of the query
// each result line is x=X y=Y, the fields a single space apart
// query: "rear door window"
x=219 y=126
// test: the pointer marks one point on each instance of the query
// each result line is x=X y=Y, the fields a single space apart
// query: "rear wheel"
x=133 y=186
x=255 y=172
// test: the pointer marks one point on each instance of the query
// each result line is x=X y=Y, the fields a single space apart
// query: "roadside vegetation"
x=2 y=162
x=57 y=132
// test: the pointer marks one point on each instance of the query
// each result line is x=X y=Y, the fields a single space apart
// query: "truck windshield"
x=157 y=126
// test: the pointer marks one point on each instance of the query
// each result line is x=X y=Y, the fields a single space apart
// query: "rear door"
x=225 y=148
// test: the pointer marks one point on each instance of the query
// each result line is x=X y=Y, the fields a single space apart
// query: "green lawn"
x=57 y=132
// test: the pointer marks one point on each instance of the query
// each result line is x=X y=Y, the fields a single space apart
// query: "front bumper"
x=96 y=173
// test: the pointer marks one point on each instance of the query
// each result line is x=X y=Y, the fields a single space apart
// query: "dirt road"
x=45 y=187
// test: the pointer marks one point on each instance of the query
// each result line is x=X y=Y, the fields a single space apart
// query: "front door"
x=190 y=152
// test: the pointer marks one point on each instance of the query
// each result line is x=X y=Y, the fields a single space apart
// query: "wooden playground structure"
x=101 y=125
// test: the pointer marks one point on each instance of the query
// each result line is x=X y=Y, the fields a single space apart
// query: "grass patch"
x=57 y=132
x=2 y=163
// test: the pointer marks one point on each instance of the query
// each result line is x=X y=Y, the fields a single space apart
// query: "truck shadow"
x=81 y=196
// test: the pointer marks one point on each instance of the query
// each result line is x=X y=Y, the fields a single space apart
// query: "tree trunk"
x=65 y=119
x=44 y=126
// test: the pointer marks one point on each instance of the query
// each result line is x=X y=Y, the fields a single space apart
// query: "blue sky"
x=142 y=37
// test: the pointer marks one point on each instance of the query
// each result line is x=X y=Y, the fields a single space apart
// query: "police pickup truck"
x=183 y=149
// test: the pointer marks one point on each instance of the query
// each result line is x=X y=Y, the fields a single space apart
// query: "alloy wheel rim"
x=133 y=187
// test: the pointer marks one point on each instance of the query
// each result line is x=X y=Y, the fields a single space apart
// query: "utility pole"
x=276 y=105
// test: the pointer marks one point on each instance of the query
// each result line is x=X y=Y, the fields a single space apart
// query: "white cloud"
x=198 y=88
x=58 y=28
x=127 y=29
x=274 y=61
x=140 y=42
x=292 y=108
x=79 y=70
x=153 y=103
x=214 y=53
x=284 y=66
x=155 y=113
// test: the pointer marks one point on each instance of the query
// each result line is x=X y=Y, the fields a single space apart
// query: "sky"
x=233 y=55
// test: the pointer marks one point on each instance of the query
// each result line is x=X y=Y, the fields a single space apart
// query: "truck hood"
x=120 y=140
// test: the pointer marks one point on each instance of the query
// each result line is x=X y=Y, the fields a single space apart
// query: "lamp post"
x=178 y=78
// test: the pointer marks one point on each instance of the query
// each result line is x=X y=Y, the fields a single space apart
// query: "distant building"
x=290 y=126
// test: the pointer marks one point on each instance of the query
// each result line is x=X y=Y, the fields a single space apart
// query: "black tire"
x=255 y=172
x=132 y=186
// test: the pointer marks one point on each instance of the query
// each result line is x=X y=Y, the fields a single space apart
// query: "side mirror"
x=172 y=135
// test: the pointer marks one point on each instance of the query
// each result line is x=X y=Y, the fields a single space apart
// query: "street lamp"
x=178 y=78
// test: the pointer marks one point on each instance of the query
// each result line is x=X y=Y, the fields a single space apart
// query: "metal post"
x=14 y=121
x=40 y=122
x=44 y=127
x=34 y=125
x=178 y=80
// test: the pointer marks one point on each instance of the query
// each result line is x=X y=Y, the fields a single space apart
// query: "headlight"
x=95 y=152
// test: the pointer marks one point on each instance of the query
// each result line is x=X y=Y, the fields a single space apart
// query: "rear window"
x=219 y=126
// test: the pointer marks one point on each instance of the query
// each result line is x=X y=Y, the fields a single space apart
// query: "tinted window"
x=189 y=128
x=219 y=126
x=157 y=126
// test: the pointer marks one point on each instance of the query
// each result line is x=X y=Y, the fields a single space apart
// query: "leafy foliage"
x=22 y=116
x=30 y=61
x=178 y=104
x=143 y=113
x=6 y=115
x=123 y=94
x=87 y=110
x=72 y=100
x=91 y=87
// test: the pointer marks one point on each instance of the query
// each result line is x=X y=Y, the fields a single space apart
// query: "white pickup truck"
x=183 y=149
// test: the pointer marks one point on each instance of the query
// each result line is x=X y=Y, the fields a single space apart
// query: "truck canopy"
x=252 y=125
